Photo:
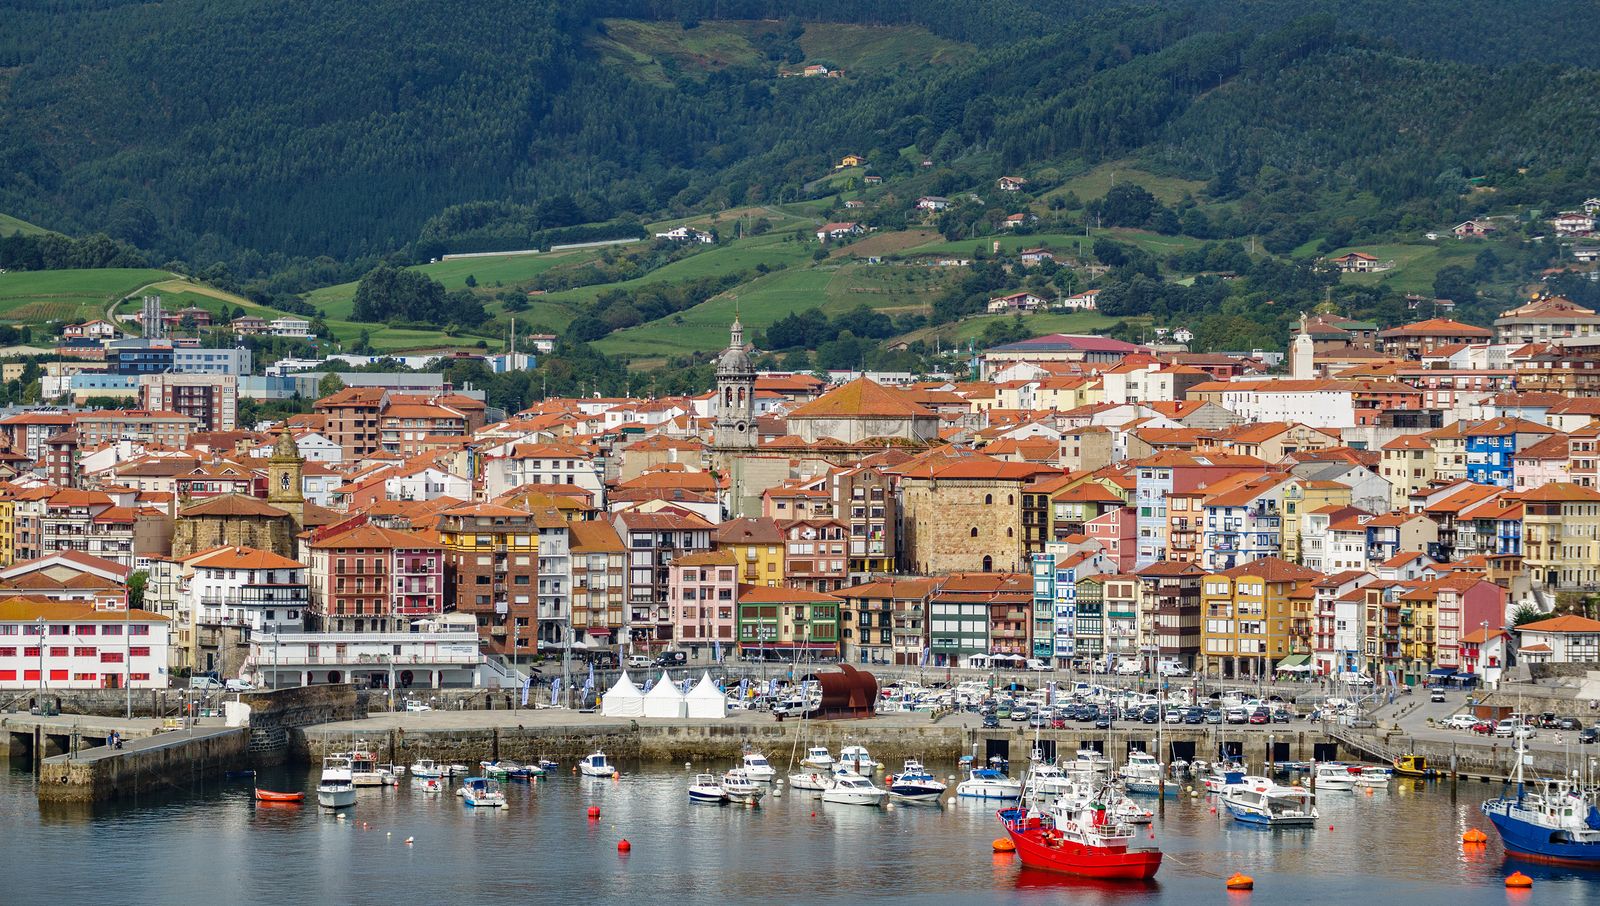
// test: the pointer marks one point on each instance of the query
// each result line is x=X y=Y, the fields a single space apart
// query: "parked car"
x=991 y=722
x=1058 y=722
x=1484 y=726
x=1587 y=736
x=1213 y=716
x=1168 y=668
x=638 y=660
x=1282 y=716
x=1194 y=716
x=672 y=659
x=205 y=684
x=1437 y=695
x=1569 y=723
x=1174 y=715
x=1020 y=714
x=1259 y=717
x=238 y=685
x=1237 y=716
x=1461 y=722
x=414 y=705
x=1039 y=721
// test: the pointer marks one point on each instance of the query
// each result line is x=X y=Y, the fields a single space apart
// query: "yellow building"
x=1561 y=536
x=1248 y=616
x=8 y=526
x=757 y=545
x=1408 y=465
x=1303 y=496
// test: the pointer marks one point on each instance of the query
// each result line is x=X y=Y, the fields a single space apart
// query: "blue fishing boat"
x=915 y=784
x=1557 y=822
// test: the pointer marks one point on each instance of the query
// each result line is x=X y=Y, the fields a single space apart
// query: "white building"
x=551 y=463
x=290 y=327
x=427 y=484
x=86 y=646
x=255 y=590
x=441 y=654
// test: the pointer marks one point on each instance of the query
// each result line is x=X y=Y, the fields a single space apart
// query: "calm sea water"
x=215 y=845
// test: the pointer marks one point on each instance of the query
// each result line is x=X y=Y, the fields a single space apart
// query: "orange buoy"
x=1474 y=837
x=624 y=846
x=594 y=811
x=1241 y=881
x=1004 y=845
x=1519 y=881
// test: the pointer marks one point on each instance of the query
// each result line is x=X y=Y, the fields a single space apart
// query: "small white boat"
x=814 y=781
x=756 y=766
x=1273 y=806
x=494 y=770
x=482 y=792
x=1142 y=775
x=390 y=774
x=988 y=783
x=706 y=789
x=334 y=790
x=818 y=757
x=426 y=768
x=1333 y=776
x=456 y=770
x=364 y=770
x=1373 y=777
x=1088 y=762
x=741 y=787
x=915 y=783
x=1126 y=810
x=595 y=765
x=857 y=759
x=428 y=784
x=850 y=788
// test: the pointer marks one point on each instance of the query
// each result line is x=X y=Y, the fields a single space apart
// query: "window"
x=974 y=532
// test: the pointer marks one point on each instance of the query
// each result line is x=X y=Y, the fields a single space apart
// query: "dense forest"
x=265 y=134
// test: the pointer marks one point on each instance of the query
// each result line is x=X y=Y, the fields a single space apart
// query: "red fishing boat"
x=1085 y=842
x=270 y=796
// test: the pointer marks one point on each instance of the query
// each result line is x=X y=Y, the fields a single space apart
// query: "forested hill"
x=252 y=132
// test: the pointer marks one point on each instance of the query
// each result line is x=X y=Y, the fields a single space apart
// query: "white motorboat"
x=857 y=759
x=482 y=792
x=817 y=757
x=1088 y=762
x=850 y=788
x=428 y=784
x=1126 y=810
x=814 y=781
x=493 y=770
x=1142 y=775
x=364 y=770
x=1046 y=783
x=988 y=783
x=706 y=789
x=1272 y=806
x=595 y=765
x=426 y=768
x=1373 y=777
x=456 y=770
x=1333 y=776
x=741 y=787
x=334 y=790
x=756 y=766
x=915 y=783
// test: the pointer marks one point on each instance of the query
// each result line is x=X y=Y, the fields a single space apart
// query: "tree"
x=1526 y=613
x=136 y=584
x=329 y=385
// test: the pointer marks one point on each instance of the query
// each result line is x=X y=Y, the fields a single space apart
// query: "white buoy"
x=687 y=765
x=777 y=794
x=410 y=840
x=889 y=806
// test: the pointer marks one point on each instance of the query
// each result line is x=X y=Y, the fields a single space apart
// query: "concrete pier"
x=142 y=765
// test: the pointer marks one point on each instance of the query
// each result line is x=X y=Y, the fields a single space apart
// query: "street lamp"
x=41 y=662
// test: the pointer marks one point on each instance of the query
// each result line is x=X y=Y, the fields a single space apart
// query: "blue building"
x=1044 y=606
x=1492 y=448
x=139 y=356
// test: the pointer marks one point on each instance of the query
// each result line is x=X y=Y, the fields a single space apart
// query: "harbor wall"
x=170 y=760
x=277 y=714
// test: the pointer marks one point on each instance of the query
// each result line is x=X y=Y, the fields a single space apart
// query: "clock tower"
x=736 y=395
x=284 y=470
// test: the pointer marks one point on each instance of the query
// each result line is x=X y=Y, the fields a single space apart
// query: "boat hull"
x=1534 y=843
x=1256 y=819
x=269 y=796
x=853 y=797
x=815 y=781
x=707 y=797
x=1151 y=788
x=336 y=797
x=1070 y=857
x=972 y=790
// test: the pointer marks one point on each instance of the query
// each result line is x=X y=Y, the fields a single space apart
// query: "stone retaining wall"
x=176 y=761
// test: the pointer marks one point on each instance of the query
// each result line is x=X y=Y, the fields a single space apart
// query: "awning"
x=1441 y=671
x=1295 y=663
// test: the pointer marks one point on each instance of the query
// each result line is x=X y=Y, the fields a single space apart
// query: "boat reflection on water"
x=1082 y=889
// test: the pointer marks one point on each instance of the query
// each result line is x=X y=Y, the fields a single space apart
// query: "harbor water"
x=215 y=844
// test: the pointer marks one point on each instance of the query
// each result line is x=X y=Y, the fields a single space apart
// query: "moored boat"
x=704 y=788
x=1557 y=823
x=364 y=769
x=988 y=783
x=1413 y=766
x=756 y=766
x=857 y=759
x=595 y=765
x=1142 y=775
x=270 y=796
x=1086 y=842
x=817 y=757
x=740 y=787
x=915 y=783
x=811 y=781
x=335 y=789
x=850 y=788
x=1271 y=806
x=482 y=792
x=1373 y=776
x=1333 y=776
x=426 y=768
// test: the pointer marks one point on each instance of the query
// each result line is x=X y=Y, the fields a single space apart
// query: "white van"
x=1128 y=668
x=1171 y=668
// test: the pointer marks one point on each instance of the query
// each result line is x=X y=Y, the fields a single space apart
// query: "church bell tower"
x=736 y=395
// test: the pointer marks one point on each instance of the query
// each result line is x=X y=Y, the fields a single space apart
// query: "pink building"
x=702 y=592
x=1115 y=532
x=1463 y=605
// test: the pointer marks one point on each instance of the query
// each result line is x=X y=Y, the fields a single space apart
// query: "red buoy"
x=623 y=845
x=594 y=811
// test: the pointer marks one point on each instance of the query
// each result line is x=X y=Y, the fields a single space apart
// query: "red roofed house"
x=372 y=579
x=1565 y=639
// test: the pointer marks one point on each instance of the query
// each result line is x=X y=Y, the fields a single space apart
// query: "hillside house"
x=1573 y=223
x=96 y=329
x=839 y=230
x=932 y=203
x=872 y=180
x=1473 y=229
x=1023 y=301
x=849 y=160
x=1355 y=263
x=1088 y=300
x=1030 y=257
x=686 y=234
x=1010 y=183
x=1018 y=220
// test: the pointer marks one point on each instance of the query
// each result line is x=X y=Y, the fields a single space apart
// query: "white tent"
x=663 y=699
x=623 y=700
x=706 y=700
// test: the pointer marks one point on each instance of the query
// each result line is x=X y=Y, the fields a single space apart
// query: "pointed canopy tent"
x=706 y=700
x=663 y=699
x=623 y=700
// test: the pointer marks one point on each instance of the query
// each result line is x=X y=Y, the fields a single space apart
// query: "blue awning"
x=1442 y=671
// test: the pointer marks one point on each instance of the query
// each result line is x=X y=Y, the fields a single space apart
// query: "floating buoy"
x=410 y=840
x=777 y=793
x=813 y=814
x=594 y=812
x=1241 y=881
x=1004 y=845
x=1330 y=827
x=687 y=765
x=388 y=833
x=1519 y=881
x=624 y=846
x=1474 y=837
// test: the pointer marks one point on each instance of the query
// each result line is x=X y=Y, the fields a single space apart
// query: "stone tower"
x=284 y=469
x=736 y=395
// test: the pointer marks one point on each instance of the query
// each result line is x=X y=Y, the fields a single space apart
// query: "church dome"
x=735 y=360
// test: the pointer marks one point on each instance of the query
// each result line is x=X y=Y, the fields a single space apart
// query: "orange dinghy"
x=269 y=796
